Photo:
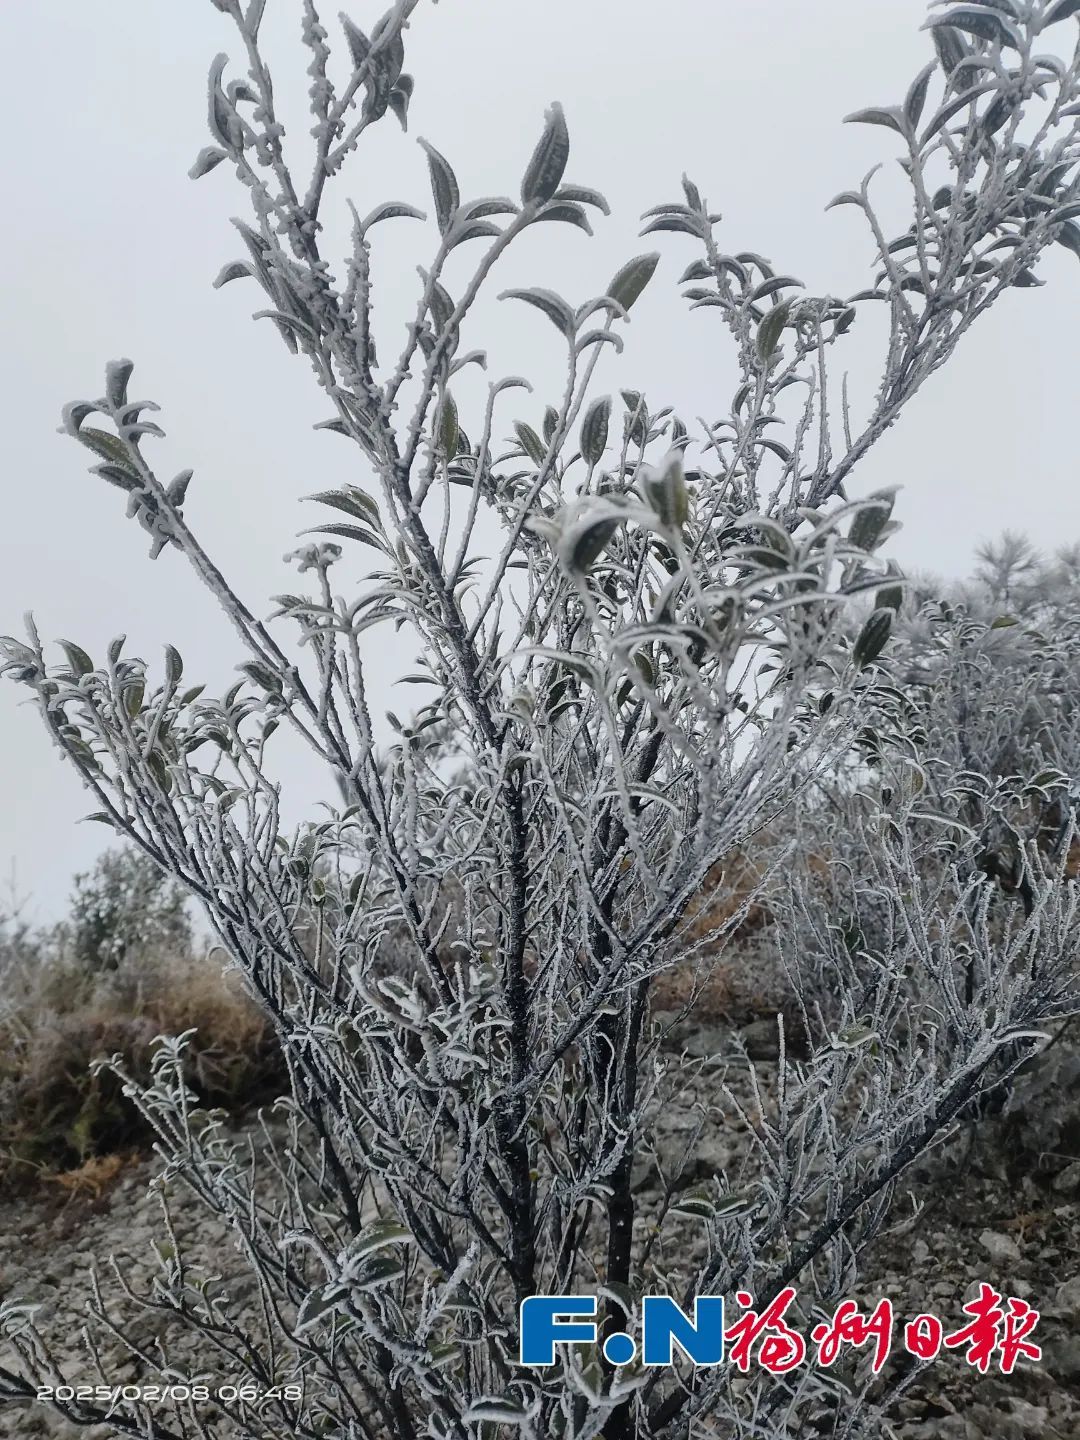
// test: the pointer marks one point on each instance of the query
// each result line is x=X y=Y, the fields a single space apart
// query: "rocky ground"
x=1002 y=1205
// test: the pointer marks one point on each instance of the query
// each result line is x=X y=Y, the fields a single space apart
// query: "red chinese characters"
x=849 y=1326
x=780 y=1347
x=996 y=1330
x=923 y=1335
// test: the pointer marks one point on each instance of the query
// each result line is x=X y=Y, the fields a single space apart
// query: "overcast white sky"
x=109 y=250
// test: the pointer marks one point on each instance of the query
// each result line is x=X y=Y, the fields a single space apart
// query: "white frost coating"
x=671 y=713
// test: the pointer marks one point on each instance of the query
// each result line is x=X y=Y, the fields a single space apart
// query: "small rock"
x=1066 y=1302
x=1031 y=1418
x=704 y=1040
x=1022 y=1423
x=947 y=1427
x=1002 y=1248
x=1061 y=1359
x=762 y=1039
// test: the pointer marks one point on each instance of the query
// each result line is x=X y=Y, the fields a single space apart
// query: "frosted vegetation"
x=686 y=642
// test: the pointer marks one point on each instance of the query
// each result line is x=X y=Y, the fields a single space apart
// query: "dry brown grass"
x=94 y=1178
x=720 y=963
x=713 y=994
x=59 y=1120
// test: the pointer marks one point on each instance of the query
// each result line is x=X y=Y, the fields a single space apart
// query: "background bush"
x=123 y=969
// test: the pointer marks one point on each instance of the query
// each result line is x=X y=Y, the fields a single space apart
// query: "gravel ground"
x=1003 y=1207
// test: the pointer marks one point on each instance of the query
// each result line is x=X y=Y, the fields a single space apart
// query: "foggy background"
x=109 y=250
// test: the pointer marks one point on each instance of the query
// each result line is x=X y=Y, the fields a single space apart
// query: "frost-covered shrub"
x=990 y=678
x=126 y=904
x=960 y=793
x=650 y=666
